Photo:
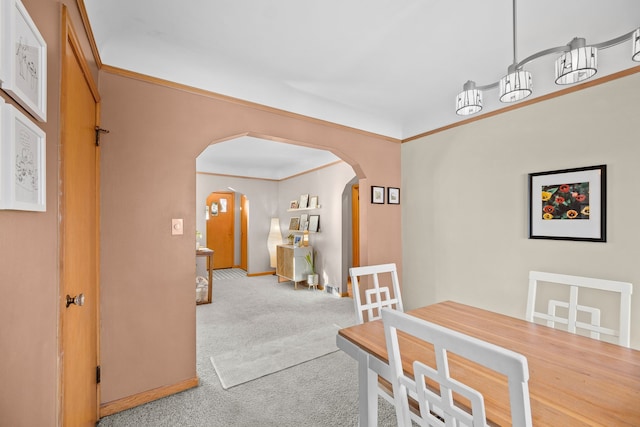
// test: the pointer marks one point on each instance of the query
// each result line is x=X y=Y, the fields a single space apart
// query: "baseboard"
x=264 y=273
x=129 y=402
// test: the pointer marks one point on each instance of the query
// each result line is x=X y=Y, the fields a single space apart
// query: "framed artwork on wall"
x=23 y=59
x=393 y=196
x=22 y=162
x=377 y=194
x=568 y=204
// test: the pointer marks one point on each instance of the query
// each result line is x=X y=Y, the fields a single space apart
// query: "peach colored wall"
x=29 y=263
x=148 y=178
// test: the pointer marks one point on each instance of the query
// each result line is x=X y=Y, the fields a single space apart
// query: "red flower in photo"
x=548 y=209
x=559 y=200
x=564 y=188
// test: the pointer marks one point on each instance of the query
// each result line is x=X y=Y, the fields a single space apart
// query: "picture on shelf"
x=294 y=204
x=304 y=201
x=294 y=223
x=297 y=240
x=304 y=222
x=313 y=202
x=314 y=223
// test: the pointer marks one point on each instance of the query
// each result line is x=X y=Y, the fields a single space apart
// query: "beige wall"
x=148 y=177
x=29 y=262
x=465 y=200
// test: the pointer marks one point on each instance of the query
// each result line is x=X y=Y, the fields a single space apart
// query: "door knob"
x=77 y=300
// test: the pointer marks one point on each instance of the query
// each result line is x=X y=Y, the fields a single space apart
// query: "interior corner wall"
x=148 y=177
x=465 y=214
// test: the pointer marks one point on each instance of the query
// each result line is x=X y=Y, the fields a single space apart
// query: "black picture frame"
x=569 y=204
x=393 y=196
x=377 y=195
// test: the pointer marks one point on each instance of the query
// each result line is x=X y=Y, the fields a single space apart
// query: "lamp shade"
x=516 y=85
x=636 y=45
x=274 y=239
x=469 y=101
x=580 y=63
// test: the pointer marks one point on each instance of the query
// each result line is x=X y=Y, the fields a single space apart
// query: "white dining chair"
x=385 y=292
x=436 y=404
x=377 y=296
x=570 y=312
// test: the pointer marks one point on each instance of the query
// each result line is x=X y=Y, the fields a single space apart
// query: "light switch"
x=176 y=226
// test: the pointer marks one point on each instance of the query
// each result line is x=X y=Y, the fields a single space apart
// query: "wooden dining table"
x=573 y=380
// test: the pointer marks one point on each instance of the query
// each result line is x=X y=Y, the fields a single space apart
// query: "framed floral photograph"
x=393 y=196
x=313 y=202
x=304 y=222
x=24 y=59
x=377 y=194
x=22 y=162
x=568 y=204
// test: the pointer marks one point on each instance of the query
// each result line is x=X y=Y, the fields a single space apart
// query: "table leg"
x=367 y=392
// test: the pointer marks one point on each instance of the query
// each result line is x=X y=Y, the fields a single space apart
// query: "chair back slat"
x=573 y=308
x=377 y=296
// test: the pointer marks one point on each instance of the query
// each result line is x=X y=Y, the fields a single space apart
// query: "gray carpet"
x=319 y=392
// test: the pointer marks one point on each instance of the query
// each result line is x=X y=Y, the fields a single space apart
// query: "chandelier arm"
x=489 y=86
x=613 y=42
x=542 y=53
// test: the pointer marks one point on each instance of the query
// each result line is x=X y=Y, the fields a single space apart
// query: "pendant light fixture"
x=518 y=83
x=576 y=63
x=469 y=101
x=580 y=63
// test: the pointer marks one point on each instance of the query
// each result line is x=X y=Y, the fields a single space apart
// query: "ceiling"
x=391 y=67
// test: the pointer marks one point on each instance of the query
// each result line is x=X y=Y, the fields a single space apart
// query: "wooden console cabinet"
x=291 y=263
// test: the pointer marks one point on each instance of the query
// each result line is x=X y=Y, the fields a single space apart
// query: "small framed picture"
x=304 y=219
x=313 y=202
x=304 y=201
x=294 y=223
x=293 y=204
x=22 y=162
x=393 y=196
x=377 y=194
x=24 y=59
x=314 y=223
x=297 y=240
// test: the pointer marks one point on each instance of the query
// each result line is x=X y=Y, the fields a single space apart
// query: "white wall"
x=465 y=201
x=328 y=184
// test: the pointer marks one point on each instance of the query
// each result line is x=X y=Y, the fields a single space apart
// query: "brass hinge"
x=98 y=374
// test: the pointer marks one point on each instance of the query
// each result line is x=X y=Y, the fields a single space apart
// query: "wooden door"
x=244 y=226
x=79 y=234
x=221 y=228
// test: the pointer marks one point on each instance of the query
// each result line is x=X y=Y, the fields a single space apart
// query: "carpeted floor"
x=317 y=393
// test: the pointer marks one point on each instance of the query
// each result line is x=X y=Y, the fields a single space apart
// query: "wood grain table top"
x=574 y=380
